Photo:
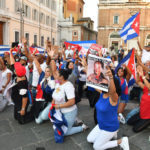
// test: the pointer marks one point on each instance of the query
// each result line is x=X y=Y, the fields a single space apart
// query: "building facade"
x=71 y=24
x=112 y=16
x=34 y=19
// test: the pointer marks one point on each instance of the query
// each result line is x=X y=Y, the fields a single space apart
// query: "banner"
x=96 y=77
x=94 y=49
x=85 y=45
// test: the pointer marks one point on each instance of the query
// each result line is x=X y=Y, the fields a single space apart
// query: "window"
x=16 y=36
x=72 y=19
x=80 y=10
x=42 y=18
x=54 y=5
x=48 y=3
x=35 y=39
x=17 y=5
x=53 y=41
x=48 y=38
x=53 y=22
x=47 y=20
x=2 y=3
x=42 y=40
x=27 y=11
x=116 y=19
x=75 y=33
x=42 y=1
x=27 y=37
x=35 y=15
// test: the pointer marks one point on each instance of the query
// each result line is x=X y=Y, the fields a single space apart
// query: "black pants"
x=80 y=88
x=138 y=123
x=28 y=117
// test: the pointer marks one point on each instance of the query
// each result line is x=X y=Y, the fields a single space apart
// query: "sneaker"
x=85 y=127
x=10 y=103
x=78 y=122
x=122 y=119
x=125 y=143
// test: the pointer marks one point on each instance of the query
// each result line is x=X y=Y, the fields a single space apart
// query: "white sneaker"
x=125 y=143
x=122 y=119
x=78 y=122
x=85 y=127
x=10 y=103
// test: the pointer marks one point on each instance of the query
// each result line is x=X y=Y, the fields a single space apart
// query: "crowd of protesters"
x=33 y=82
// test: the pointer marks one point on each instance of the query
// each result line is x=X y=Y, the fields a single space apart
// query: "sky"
x=91 y=10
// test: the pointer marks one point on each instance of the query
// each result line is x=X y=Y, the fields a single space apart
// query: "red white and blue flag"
x=129 y=61
x=131 y=27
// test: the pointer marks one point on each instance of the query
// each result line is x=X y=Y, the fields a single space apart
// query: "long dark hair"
x=124 y=72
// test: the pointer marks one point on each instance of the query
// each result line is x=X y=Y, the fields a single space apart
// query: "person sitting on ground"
x=45 y=86
x=141 y=120
x=107 y=117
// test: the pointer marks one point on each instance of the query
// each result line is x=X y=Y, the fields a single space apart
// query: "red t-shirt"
x=145 y=104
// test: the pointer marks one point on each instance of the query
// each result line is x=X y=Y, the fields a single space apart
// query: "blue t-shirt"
x=107 y=116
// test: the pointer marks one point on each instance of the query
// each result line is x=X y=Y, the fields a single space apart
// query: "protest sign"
x=96 y=77
x=94 y=49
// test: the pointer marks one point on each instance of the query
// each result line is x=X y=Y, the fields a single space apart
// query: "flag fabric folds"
x=59 y=124
x=130 y=29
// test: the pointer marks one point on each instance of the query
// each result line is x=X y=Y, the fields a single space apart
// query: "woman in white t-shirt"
x=64 y=98
x=5 y=82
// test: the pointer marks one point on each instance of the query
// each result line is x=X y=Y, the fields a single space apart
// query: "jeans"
x=101 y=139
x=132 y=113
x=43 y=114
x=70 y=118
x=34 y=93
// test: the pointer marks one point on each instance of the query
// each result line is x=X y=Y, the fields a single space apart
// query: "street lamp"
x=21 y=11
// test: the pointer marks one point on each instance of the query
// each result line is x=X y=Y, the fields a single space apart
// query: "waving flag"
x=130 y=29
x=129 y=61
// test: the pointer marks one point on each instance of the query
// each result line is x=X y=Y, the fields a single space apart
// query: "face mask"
x=17 y=60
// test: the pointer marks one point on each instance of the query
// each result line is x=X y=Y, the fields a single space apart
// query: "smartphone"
x=14 y=44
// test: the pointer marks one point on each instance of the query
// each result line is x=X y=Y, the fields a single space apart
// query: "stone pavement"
x=31 y=136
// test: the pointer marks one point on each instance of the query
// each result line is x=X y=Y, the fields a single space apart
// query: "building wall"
x=73 y=7
x=124 y=10
x=34 y=27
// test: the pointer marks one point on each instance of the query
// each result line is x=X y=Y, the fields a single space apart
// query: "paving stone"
x=141 y=140
x=67 y=145
x=5 y=127
x=44 y=131
x=16 y=140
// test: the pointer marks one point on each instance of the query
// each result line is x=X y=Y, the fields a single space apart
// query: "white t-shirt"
x=104 y=51
x=27 y=72
x=82 y=76
x=59 y=95
x=4 y=77
x=67 y=52
x=36 y=75
x=145 y=56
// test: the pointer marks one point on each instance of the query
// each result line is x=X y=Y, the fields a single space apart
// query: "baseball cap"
x=19 y=69
x=23 y=58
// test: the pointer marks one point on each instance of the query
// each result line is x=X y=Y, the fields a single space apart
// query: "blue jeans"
x=43 y=114
x=34 y=93
x=132 y=113
x=70 y=118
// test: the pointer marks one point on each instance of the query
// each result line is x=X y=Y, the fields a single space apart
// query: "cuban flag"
x=130 y=29
x=60 y=125
x=129 y=61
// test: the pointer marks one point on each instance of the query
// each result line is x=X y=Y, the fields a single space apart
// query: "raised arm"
x=12 y=60
x=139 y=46
x=112 y=89
x=37 y=64
x=141 y=74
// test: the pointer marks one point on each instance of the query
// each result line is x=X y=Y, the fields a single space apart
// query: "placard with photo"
x=96 y=77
